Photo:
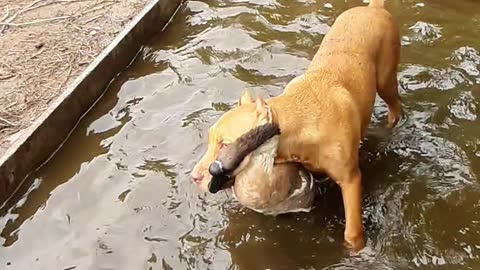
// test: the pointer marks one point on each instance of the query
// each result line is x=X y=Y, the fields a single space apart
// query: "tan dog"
x=323 y=114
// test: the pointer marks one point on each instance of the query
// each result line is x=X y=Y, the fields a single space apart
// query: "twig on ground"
x=55 y=2
x=93 y=18
x=74 y=26
x=95 y=8
x=26 y=8
x=5 y=121
x=66 y=78
x=36 y=21
x=10 y=105
x=6 y=77
x=8 y=113
x=36 y=54
x=10 y=20
x=6 y=14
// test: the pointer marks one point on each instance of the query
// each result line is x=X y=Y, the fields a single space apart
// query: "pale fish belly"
x=257 y=188
x=301 y=199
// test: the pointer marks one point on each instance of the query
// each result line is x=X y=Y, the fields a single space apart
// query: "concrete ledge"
x=40 y=141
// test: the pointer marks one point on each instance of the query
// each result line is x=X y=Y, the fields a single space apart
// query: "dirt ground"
x=44 y=46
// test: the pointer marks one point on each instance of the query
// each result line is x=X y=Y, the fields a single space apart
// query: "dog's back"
x=359 y=56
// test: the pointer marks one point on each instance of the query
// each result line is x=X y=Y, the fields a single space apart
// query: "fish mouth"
x=219 y=183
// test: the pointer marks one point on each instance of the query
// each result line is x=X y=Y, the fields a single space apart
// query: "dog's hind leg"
x=389 y=93
x=388 y=58
x=387 y=84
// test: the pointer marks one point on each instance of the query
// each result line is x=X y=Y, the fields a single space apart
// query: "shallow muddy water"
x=117 y=195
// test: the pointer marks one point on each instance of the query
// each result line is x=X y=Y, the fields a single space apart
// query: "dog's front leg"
x=350 y=181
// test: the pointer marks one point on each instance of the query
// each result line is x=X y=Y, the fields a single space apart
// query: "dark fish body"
x=230 y=156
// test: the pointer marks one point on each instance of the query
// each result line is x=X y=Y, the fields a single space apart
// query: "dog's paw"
x=355 y=244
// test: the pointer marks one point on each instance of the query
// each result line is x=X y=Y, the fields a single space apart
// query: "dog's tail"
x=376 y=3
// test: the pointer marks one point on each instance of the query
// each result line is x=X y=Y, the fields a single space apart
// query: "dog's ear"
x=245 y=98
x=264 y=112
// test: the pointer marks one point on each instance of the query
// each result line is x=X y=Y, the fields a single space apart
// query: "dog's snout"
x=197 y=177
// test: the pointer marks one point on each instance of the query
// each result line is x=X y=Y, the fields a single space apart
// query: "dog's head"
x=248 y=115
